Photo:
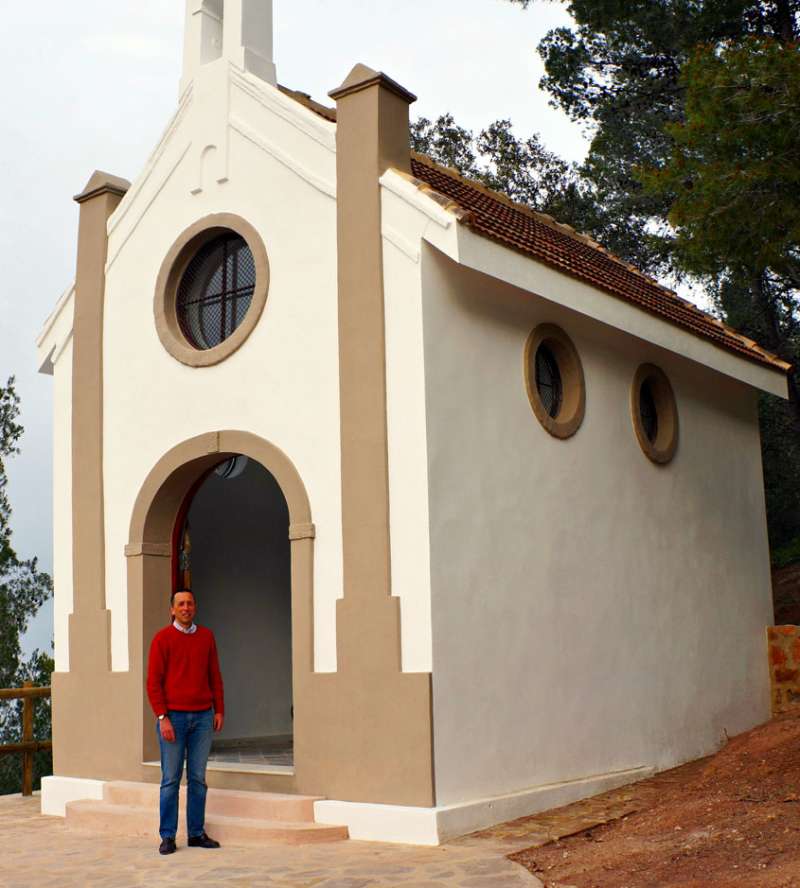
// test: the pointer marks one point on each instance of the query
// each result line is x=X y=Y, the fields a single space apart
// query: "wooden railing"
x=27 y=693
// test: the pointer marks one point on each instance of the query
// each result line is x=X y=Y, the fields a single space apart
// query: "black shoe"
x=202 y=841
x=167 y=846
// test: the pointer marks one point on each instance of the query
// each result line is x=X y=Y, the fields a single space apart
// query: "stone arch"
x=149 y=549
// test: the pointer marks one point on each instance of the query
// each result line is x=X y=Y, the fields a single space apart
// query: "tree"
x=618 y=71
x=521 y=168
x=23 y=590
x=733 y=181
x=732 y=178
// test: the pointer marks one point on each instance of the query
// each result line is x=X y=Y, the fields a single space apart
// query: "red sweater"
x=183 y=671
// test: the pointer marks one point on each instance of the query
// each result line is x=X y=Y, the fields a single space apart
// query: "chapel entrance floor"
x=267 y=753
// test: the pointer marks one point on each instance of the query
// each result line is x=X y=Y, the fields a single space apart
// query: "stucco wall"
x=592 y=612
x=240 y=575
x=407 y=449
x=282 y=384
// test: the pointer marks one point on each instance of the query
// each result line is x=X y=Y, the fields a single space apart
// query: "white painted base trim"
x=431 y=826
x=57 y=791
x=458 y=820
x=381 y=823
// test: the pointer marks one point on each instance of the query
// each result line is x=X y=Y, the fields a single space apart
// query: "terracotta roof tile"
x=514 y=225
x=497 y=217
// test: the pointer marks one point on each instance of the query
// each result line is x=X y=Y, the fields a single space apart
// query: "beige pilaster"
x=89 y=623
x=371 y=136
x=95 y=733
x=365 y=732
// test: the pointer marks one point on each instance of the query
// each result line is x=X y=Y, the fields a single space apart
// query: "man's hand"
x=167 y=731
x=219 y=718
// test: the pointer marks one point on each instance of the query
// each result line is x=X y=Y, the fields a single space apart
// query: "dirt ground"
x=731 y=820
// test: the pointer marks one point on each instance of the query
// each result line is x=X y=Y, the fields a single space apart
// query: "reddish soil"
x=733 y=820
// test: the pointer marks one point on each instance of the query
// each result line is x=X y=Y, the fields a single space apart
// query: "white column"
x=247 y=39
x=203 y=37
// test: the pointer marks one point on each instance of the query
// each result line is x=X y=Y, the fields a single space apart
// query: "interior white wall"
x=239 y=529
x=283 y=383
x=592 y=612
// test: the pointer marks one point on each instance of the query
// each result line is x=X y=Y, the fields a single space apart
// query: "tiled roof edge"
x=749 y=347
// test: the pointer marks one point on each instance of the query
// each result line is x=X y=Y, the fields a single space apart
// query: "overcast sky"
x=92 y=84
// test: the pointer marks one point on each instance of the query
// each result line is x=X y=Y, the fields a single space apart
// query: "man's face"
x=183 y=608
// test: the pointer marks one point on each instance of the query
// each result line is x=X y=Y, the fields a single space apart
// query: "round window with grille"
x=216 y=290
x=648 y=413
x=654 y=413
x=548 y=380
x=211 y=290
x=554 y=380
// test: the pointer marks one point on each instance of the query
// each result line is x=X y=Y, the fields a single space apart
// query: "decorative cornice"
x=302 y=532
x=362 y=77
x=103 y=183
x=159 y=550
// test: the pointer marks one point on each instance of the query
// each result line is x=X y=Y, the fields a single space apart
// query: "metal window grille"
x=548 y=381
x=648 y=412
x=216 y=290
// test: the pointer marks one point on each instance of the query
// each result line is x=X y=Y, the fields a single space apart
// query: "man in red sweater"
x=184 y=685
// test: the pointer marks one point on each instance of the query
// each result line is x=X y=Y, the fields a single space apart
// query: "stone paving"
x=40 y=851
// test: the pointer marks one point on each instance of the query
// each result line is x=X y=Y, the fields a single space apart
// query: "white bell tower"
x=238 y=30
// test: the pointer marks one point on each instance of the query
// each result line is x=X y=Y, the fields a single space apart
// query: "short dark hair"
x=178 y=592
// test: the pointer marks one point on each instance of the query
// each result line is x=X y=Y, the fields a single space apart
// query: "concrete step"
x=102 y=817
x=230 y=803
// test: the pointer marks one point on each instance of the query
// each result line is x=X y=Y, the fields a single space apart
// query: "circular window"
x=548 y=380
x=211 y=290
x=554 y=380
x=654 y=413
x=216 y=290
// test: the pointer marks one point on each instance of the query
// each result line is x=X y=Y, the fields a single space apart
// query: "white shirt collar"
x=190 y=631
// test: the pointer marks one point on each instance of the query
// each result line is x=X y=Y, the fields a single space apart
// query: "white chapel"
x=474 y=509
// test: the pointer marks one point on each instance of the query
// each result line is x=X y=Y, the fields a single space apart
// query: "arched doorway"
x=164 y=502
x=232 y=551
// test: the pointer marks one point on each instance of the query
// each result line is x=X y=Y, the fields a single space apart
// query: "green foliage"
x=619 y=71
x=38 y=670
x=788 y=554
x=733 y=176
x=23 y=590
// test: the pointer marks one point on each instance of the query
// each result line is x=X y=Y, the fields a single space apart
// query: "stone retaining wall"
x=784 y=664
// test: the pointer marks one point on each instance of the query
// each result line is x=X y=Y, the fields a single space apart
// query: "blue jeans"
x=193 y=733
